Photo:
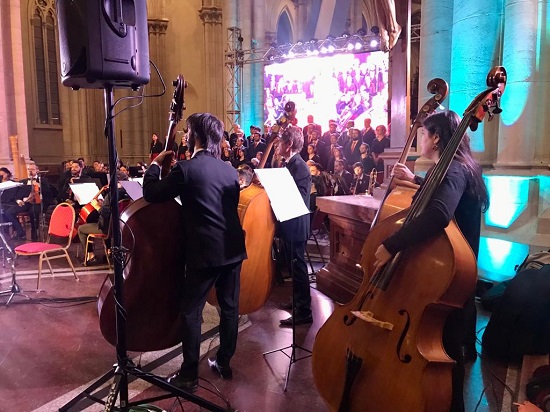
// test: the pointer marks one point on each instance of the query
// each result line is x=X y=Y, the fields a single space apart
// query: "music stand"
x=287 y=203
x=14 y=289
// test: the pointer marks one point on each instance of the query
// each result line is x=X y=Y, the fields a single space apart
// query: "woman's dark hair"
x=209 y=130
x=445 y=125
x=7 y=172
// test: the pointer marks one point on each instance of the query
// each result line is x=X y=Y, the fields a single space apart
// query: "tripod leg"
x=87 y=393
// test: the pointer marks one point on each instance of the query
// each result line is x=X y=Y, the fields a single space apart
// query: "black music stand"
x=124 y=366
x=287 y=203
x=14 y=289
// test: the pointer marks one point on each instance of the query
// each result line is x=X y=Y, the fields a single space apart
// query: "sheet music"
x=9 y=184
x=133 y=188
x=285 y=198
x=84 y=192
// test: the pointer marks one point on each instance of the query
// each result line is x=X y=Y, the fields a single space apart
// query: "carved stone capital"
x=157 y=26
x=211 y=15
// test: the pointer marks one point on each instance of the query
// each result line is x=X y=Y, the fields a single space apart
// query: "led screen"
x=338 y=87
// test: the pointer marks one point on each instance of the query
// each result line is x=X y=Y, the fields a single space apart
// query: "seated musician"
x=65 y=193
x=341 y=179
x=318 y=184
x=39 y=199
x=246 y=174
x=99 y=223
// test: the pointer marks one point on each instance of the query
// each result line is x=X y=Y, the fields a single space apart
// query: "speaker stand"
x=124 y=368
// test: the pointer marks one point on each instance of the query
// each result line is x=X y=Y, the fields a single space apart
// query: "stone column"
x=476 y=46
x=154 y=121
x=13 y=105
x=523 y=139
x=214 y=41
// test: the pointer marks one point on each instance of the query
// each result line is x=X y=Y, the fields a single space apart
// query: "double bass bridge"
x=368 y=317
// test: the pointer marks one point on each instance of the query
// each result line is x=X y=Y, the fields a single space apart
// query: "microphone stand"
x=124 y=368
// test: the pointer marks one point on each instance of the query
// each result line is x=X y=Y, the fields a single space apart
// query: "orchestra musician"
x=295 y=232
x=38 y=200
x=462 y=195
x=214 y=241
x=99 y=223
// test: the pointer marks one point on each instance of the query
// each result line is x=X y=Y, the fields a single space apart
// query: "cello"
x=151 y=286
x=258 y=224
x=383 y=351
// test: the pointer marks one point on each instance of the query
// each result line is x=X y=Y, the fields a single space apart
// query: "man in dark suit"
x=295 y=232
x=255 y=146
x=214 y=241
x=352 y=151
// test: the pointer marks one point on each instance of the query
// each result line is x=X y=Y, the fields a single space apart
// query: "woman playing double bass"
x=462 y=195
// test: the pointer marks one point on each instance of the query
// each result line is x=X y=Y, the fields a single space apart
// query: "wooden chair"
x=61 y=226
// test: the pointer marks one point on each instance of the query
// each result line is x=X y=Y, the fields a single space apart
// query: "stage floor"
x=51 y=349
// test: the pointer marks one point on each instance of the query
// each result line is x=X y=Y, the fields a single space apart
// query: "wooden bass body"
x=258 y=223
x=392 y=358
x=152 y=234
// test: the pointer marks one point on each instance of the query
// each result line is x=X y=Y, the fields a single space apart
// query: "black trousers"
x=34 y=212
x=295 y=260
x=459 y=331
x=226 y=280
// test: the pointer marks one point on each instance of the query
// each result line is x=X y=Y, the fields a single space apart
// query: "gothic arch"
x=278 y=8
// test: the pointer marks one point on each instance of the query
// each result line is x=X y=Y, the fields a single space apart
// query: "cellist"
x=462 y=196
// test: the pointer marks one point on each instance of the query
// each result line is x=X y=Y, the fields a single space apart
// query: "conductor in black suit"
x=214 y=241
x=295 y=232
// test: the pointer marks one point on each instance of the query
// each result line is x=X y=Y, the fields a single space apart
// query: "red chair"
x=61 y=226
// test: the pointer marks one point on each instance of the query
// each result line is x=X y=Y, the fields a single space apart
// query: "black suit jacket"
x=355 y=155
x=209 y=192
x=297 y=229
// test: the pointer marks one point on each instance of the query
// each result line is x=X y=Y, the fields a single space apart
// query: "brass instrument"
x=372 y=181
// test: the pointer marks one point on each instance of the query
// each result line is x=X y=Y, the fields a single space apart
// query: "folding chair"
x=61 y=226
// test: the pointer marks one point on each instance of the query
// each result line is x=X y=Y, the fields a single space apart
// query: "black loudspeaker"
x=103 y=43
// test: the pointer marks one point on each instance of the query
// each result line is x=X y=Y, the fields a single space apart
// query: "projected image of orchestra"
x=339 y=87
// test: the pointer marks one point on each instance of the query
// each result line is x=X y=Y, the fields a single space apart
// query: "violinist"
x=39 y=199
x=214 y=241
x=246 y=174
x=462 y=196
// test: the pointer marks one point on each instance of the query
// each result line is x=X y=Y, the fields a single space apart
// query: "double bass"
x=151 y=285
x=383 y=351
x=258 y=223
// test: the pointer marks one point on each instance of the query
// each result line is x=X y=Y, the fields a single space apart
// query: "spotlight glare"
x=358 y=46
x=331 y=48
x=324 y=50
x=373 y=43
x=350 y=47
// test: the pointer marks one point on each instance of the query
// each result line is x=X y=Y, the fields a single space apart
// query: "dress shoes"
x=286 y=306
x=184 y=383
x=299 y=320
x=224 y=371
x=92 y=262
